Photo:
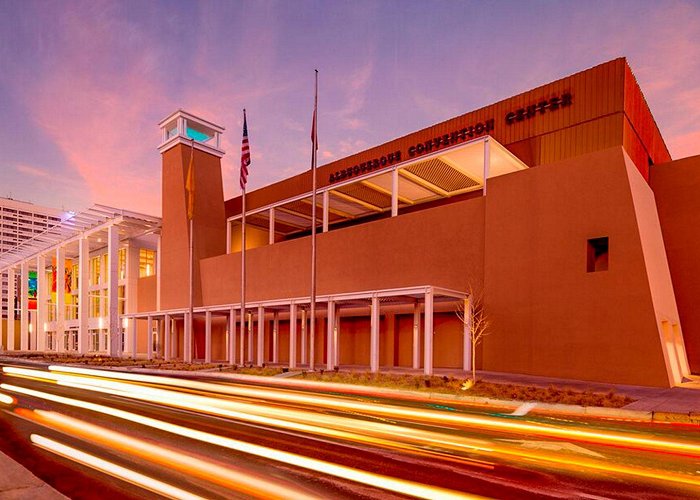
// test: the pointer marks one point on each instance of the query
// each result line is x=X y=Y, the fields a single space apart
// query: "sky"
x=83 y=85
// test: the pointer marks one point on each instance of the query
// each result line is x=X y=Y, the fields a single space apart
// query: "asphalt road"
x=125 y=435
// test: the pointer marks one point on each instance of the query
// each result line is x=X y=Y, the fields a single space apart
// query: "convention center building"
x=557 y=215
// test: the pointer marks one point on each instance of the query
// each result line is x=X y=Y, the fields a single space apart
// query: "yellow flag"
x=189 y=186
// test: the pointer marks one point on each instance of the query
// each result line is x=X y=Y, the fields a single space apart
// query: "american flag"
x=245 y=153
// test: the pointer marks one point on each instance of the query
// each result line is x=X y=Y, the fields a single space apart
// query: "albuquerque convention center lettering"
x=541 y=107
x=419 y=149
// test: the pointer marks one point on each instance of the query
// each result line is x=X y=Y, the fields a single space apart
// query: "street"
x=93 y=433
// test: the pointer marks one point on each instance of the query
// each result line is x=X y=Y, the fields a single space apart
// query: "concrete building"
x=560 y=206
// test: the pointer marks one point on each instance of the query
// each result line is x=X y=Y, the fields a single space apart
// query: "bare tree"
x=472 y=314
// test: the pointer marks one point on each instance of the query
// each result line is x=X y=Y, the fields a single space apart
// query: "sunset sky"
x=83 y=85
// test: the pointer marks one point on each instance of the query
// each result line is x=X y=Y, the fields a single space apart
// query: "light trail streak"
x=111 y=469
x=405 y=487
x=5 y=399
x=374 y=433
x=244 y=481
x=421 y=415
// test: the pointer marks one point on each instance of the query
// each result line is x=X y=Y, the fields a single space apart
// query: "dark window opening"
x=597 y=255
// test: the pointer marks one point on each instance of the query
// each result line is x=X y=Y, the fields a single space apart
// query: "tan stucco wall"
x=676 y=186
x=551 y=317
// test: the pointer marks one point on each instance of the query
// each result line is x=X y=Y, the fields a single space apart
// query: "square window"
x=597 y=255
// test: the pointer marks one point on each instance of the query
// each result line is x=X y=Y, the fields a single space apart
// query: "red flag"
x=245 y=153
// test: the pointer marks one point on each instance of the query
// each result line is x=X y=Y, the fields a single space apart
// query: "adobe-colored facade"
x=560 y=208
x=580 y=250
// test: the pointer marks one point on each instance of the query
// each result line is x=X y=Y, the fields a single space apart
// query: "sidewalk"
x=17 y=482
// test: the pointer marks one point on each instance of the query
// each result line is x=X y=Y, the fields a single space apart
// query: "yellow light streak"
x=402 y=486
x=238 y=480
x=5 y=399
x=422 y=415
x=373 y=432
x=110 y=468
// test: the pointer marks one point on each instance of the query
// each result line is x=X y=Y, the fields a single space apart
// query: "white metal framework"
x=446 y=173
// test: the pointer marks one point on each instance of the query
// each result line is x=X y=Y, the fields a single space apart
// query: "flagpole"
x=190 y=321
x=243 y=180
x=312 y=330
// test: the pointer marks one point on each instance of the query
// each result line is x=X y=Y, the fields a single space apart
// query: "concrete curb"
x=692 y=418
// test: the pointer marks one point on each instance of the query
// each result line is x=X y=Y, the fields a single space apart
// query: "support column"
x=241 y=350
x=428 y=340
x=271 y=235
x=60 y=297
x=275 y=337
x=231 y=348
x=395 y=192
x=133 y=336
x=261 y=336
x=467 y=336
x=374 y=336
x=149 y=337
x=11 y=297
x=83 y=302
x=207 y=337
x=187 y=348
x=303 y=336
x=416 y=336
x=158 y=273
x=42 y=294
x=330 y=326
x=24 y=307
x=168 y=341
x=113 y=332
x=487 y=161
x=292 y=336
x=326 y=207
x=3 y=346
x=336 y=338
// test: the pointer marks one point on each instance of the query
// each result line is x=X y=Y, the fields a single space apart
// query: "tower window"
x=597 y=255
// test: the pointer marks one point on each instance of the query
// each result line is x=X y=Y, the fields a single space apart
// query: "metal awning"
x=92 y=221
x=444 y=174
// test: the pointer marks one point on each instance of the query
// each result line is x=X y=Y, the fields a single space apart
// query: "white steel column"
x=330 y=326
x=149 y=337
x=275 y=337
x=41 y=305
x=24 y=307
x=231 y=348
x=428 y=340
x=2 y=299
x=83 y=302
x=326 y=207
x=133 y=329
x=374 y=335
x=467 y=333
x=416 y=335
x=303 y=336
x=261 y=336
x=60 y=297
x=207 y=337
x=336 y=338
x=271 y=235
x=395 y=192
x=244 y=319
x=168 y=341
x=113 y=331
x=11 y=297
x=487 y=161
x=292 y=336
x=187 y=348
